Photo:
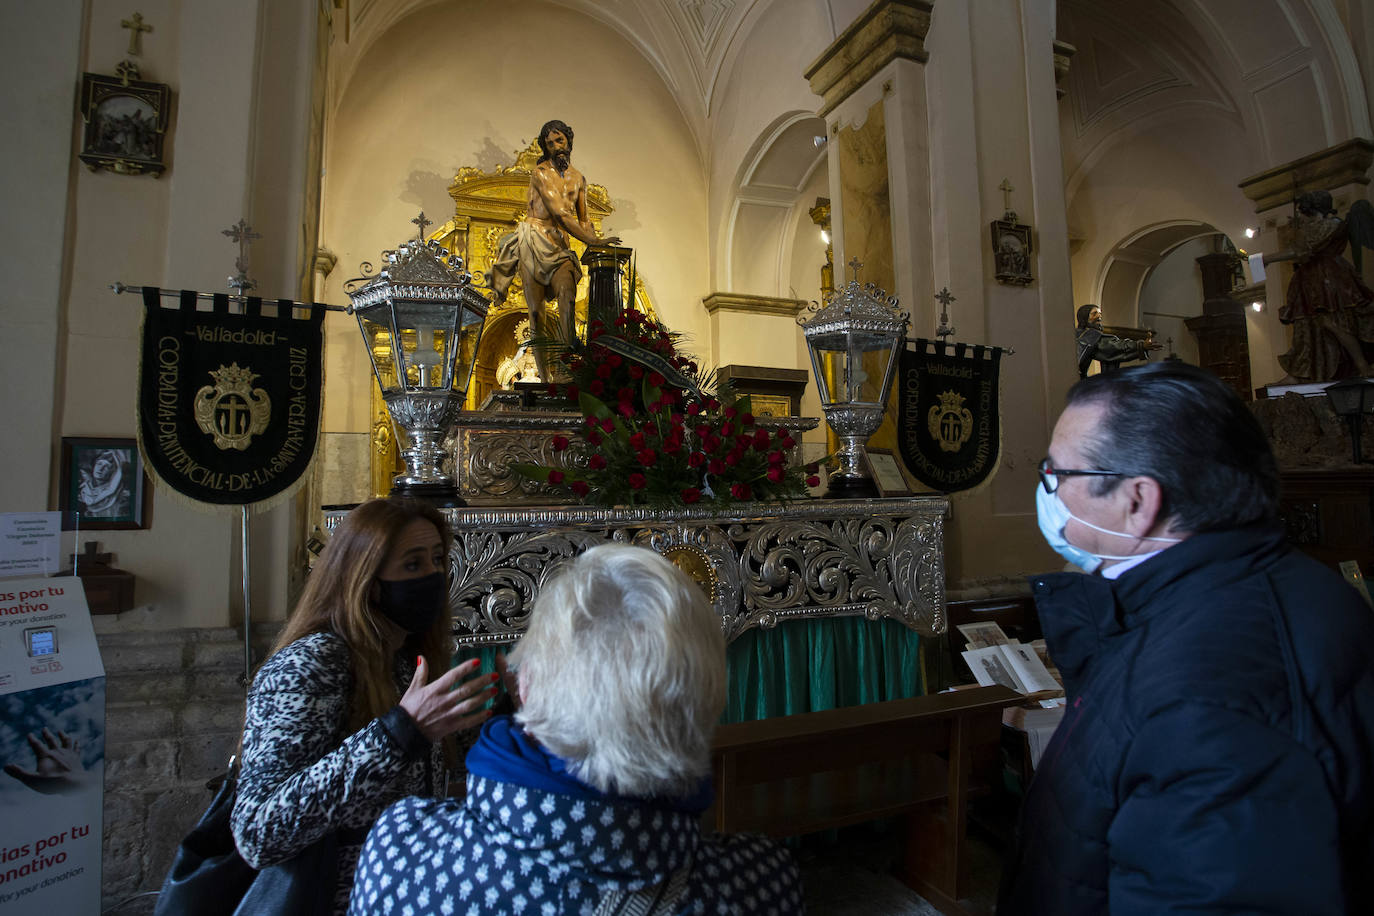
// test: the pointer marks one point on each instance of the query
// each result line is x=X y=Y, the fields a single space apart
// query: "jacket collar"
x=1079 y=612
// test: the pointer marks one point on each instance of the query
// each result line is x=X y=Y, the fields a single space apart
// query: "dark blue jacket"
x=1217 y=755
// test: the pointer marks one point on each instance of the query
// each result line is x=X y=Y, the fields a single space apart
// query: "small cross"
x=1006 y=189
x=137 y=28
x=243 y=235
x=422 y=223
x=854 y=265
x=945 y=297
x=127 y=70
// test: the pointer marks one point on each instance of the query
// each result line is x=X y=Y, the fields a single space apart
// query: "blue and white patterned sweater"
x=514 y=849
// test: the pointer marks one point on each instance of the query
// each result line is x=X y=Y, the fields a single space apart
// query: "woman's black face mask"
x=413 y=604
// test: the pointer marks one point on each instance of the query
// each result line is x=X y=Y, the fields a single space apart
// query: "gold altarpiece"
x=487 y=205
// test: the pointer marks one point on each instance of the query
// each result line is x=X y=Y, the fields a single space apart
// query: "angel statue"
x=1329 y=306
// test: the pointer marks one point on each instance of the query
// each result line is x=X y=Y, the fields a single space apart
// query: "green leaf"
x=592 y=406
x=533 y=471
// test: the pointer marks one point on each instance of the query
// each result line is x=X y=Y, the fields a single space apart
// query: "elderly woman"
x=342 y=719
x=590 y=798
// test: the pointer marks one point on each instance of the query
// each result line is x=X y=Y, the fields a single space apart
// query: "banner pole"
x=247 y=611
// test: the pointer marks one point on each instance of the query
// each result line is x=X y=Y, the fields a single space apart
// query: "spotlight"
x=819 y=140
x=1251 y=232
x=1257 y=305
x=825 y=236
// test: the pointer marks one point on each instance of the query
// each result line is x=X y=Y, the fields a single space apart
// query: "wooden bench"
x=912 y=758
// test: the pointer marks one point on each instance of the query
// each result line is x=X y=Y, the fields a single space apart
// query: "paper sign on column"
x=1256 y=268
x=30 y=543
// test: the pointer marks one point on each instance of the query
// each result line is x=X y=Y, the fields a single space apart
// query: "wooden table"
x=911 y=758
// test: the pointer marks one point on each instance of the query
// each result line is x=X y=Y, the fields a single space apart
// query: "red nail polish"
x=418 y=659
x=495 y=676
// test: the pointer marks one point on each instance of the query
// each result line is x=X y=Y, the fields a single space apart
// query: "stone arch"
x=766 y=204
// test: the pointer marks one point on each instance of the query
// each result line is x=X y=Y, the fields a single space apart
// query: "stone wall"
x=1306 y=433
x=174 y=708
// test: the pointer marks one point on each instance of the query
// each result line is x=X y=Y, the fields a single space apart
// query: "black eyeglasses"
x=1049 y=475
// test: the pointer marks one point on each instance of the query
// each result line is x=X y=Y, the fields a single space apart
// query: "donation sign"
x=52 y=749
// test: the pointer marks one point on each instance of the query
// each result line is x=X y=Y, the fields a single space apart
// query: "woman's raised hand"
x=438 y=709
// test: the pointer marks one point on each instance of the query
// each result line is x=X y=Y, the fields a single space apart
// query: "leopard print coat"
x=301 y=776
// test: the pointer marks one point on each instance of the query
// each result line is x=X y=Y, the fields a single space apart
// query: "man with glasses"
x=1217 y=754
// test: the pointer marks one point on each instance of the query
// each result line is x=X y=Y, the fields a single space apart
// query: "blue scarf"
x=504 y=753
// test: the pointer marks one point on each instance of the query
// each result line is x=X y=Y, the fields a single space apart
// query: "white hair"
x=622 y=673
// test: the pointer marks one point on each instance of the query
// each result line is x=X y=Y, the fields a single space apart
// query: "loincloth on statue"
x=531 y=251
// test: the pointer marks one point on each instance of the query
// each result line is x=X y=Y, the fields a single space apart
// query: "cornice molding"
x=886 y=31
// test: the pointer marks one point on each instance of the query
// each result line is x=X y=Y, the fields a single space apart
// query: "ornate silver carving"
x=879 y=559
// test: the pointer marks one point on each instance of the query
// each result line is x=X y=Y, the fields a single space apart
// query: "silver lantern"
x=854 y=341
x=421 y=320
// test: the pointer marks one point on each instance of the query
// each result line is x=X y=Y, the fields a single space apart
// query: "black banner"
x=229 y=405
x=948 y=429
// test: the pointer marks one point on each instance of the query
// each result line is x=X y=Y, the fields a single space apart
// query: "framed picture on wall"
x=103 y=486
x=125 y=124
x=886 y=472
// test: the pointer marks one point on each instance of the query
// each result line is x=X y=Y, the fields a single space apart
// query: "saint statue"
x=1109 y=350
x=1328 y=305
x=538 y=248
x=520 y=367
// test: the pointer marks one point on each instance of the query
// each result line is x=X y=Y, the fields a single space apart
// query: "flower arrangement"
x=655 y=434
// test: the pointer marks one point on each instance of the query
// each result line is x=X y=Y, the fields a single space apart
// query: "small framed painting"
x=103 y=485
x=886 y=472
x=125 y=124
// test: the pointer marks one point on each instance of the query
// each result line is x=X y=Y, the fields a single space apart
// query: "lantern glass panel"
x=377 y=334
x=853 y=366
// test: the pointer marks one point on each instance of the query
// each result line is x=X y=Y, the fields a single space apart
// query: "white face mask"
x=1054 y=517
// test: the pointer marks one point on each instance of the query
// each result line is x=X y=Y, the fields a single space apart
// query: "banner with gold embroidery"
x=229 y=404
x=948 y=427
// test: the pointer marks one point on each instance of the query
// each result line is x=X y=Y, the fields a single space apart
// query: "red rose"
x=638 y=481
x=579 y=487
x=614 y=360
x=743 y=441
x=747 y=419
x=731 y=412
x=813 y=481
x=636 y=371
x=775 y=457
x=597 y=387
x=573 y=391
x=603 y=371
x=775 y=474
x=690 y=495
x=732 y=458
x=559 y=443
x=740 y=491
x=555 y=477
x=783 y=435
x=637 y=441
x=693 y=409
x=672 y=445
x=715 y=466
x=597 y=462
x=691 y=367
x=647 y=457
x=703 y=430
x=607 y=425
x=655 y=380
x=727 y=429
x=593 y=436
x=710 y=442
x=696 y=460
x=590 y=421
x=626 y=409
x=813 y=468
x=675 y=419
x=761 y=440
x=624 y=394
x=712 y=404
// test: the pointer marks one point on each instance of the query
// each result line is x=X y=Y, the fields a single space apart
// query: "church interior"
x=754 y=154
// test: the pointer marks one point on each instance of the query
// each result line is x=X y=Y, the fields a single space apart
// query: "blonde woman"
x=343 y=718
x=590 y=798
